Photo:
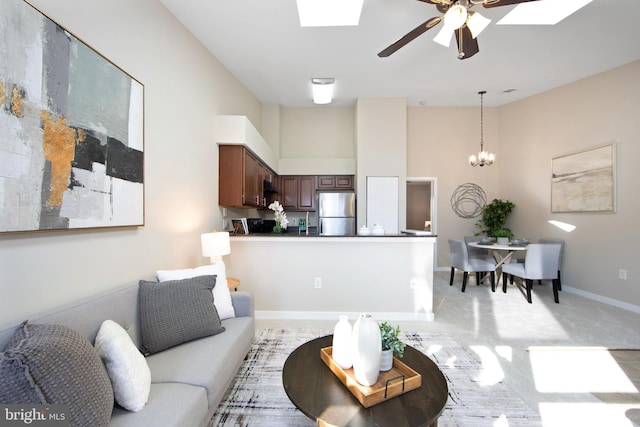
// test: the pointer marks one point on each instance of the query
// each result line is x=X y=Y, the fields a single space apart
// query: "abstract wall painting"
x=584 y=181
x=71 y=130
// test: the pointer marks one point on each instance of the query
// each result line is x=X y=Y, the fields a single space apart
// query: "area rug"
x=257 y=397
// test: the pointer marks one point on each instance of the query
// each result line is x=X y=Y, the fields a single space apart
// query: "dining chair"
x=473 y=252
x=540 y=263
x=561 y=243
x=460 y=260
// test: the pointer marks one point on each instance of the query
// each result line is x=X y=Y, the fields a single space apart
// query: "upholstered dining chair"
x=477 y=252
x=461 y=260
x=540 y=263
x=561 y=243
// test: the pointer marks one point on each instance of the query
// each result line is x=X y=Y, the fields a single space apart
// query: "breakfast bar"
x=320 y=277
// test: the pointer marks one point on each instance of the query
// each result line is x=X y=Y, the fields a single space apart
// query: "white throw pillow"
x=126 y=366
x=221 y=294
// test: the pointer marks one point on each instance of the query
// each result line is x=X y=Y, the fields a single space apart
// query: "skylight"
x=329 y=13
x=541 y=12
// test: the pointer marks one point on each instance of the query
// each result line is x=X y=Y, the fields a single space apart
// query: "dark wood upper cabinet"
x=307 y=193
x=298 y=192
x=335 y=182
x=241 y=177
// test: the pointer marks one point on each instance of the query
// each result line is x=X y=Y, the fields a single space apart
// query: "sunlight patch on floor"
x=584 y=414
x=577 y=370
x=492 y=372
x=544 y=318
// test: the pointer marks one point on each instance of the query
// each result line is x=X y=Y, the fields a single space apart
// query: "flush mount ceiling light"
x=542 y=12
x=322 y=89
x=329 y=13
x=483 y=158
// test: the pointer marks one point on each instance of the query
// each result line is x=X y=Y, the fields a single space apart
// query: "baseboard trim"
x=332 y=315
x=600 y=298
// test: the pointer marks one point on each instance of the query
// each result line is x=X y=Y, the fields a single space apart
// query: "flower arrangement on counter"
x=281 y=217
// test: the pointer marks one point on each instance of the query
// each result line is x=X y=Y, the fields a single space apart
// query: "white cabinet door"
x=382 y=203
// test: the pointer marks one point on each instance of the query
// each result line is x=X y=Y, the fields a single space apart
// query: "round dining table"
x=501 y=253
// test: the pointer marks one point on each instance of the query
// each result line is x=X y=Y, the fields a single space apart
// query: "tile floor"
x=501 y=327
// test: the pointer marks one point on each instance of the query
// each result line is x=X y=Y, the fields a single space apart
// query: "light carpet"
x=610 y=375
x=257 y=397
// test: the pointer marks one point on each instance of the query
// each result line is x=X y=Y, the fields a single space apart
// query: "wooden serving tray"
x=400 y=379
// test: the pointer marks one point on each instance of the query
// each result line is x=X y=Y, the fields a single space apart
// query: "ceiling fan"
x=458 y=19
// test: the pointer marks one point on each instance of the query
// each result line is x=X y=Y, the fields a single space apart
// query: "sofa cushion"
x=177 y=311
x=221 y=294
x=54 y=364
x=211 y=362
x=126 y=366
x=170 y=405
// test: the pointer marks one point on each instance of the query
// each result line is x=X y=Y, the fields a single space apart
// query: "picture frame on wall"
x=584 y=181
x=71 y=130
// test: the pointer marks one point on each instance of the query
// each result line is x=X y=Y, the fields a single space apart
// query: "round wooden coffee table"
x=320 y=395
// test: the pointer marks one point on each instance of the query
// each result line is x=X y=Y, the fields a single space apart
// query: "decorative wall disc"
x=468 y=200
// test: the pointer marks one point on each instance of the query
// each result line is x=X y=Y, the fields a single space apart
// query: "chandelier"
x=483 y=158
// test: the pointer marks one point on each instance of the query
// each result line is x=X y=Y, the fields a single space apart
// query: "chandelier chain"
x=482 y=120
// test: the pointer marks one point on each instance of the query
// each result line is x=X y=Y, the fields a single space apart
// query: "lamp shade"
x=215 y=245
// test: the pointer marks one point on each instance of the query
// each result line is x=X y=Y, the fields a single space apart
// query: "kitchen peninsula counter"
x=294 y=236
x=321 y=277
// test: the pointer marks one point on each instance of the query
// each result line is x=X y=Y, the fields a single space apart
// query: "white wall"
x=381 y=134
x=185 y=88
x=439 y=142
x=525 y=136
x=317 y=140
x=589 y=113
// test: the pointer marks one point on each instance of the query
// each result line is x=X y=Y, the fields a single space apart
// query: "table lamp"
x=215 y=245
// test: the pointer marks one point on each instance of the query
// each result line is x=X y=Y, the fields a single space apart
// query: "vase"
x=386 y=360
x=341 y=351
x=277 y=229
x=503 y=240
x=366 y=350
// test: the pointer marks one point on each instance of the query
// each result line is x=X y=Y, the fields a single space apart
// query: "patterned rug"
x=257 y=397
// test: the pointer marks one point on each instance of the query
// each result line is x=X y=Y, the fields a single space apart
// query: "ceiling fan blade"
x=504 y=3
x=467 y=45
x=411 y=35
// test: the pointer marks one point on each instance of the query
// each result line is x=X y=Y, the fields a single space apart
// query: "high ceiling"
x=263 y=45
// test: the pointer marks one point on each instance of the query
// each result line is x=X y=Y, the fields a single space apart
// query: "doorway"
x=421 y=204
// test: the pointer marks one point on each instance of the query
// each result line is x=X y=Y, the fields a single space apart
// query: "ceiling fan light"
x=322 y=89
x=444 y=36
x=477 y=23
x=455 y=17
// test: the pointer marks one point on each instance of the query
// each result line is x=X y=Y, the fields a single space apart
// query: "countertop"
x=314 y=237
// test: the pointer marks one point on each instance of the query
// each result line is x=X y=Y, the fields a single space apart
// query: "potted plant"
x=494 y=216
x=391 y=345
x=502 y=235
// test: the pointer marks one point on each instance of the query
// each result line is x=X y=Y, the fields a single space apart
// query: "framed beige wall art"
x=584 y=181
x=71 y=130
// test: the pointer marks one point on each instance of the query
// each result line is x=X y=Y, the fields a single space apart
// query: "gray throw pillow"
x=53 y=364
x=177 y=311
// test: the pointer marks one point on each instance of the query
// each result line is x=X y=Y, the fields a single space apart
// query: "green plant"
x=502 y=232
x=494 y=215
x=390 y=340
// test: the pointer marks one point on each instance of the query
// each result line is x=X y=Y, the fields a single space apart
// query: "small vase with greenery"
x=391 y=345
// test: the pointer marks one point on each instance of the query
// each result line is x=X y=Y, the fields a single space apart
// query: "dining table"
x=500 y=252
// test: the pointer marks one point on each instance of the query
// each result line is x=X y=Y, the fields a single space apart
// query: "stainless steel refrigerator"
x=336 y=213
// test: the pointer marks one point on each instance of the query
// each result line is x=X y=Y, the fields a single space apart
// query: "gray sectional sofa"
x=188 y=381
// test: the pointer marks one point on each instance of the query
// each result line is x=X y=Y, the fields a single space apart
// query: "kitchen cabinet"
x=335 y=182
x=241 y=177
x=298 y=192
